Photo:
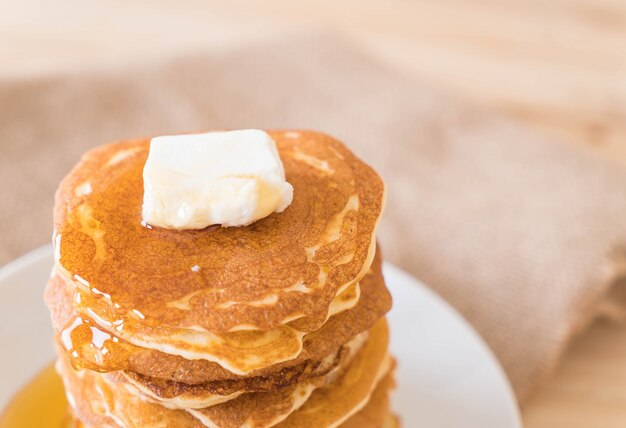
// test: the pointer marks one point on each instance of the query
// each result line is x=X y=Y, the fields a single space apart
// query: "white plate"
x=446 y=376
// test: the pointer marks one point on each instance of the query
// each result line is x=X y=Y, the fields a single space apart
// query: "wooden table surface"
x=558 y=65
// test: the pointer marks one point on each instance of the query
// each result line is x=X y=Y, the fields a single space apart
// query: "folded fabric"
x=522 y=234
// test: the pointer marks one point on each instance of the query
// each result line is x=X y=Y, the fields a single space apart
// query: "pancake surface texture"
x=279 y=323
x=286 y=266
x=77 y=332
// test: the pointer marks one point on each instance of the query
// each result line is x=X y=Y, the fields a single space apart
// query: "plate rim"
x=468 y=329
x=24 y=260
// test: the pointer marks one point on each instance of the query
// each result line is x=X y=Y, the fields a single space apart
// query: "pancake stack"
x=279 y=323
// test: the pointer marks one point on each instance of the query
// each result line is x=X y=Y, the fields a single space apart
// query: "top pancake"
x=287 y=266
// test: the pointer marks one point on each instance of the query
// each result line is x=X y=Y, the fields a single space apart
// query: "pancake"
x=118 y=407
x=328 y=406
x=331 y=406
x=375 y=414
x=287 y=266
x=392 y=421
x=84 y=400
x=179 y=398
x=234 y=414
x=182 y=396
x=239 y=352
x=110 y=353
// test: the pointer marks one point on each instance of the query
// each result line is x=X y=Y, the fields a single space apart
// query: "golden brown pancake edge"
x=163 y=369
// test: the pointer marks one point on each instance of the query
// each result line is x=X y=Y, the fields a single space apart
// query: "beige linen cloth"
x=523 y=235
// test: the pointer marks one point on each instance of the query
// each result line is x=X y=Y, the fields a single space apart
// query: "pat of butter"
x=230 y=178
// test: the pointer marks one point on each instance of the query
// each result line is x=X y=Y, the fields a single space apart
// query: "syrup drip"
x=89 y=346
x=40 y=404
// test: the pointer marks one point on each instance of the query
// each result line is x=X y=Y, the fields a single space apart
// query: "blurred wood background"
x=558 y=65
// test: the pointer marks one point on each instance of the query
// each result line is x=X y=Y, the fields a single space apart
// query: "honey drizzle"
x=40 y=404
x=91 y=347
